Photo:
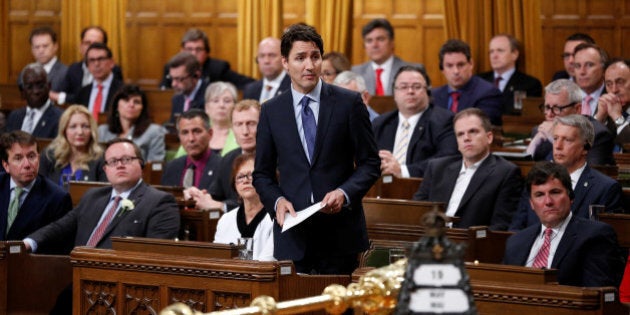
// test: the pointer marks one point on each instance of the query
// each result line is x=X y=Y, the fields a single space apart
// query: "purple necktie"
x=310 y=128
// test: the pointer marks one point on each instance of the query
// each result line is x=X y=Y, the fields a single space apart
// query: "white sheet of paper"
x=290 y=221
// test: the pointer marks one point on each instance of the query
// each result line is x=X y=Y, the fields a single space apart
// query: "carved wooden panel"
x=195 y=299
x=98 y=297
x=141 y=300
x=229 y=300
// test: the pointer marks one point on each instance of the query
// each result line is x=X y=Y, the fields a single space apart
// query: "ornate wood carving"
x=195 y=299
x=98 y=297
x=229 y=300
x=140 y=300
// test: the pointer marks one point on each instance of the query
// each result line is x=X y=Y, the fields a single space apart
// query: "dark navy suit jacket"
x=213 y=70
x=74 y=80
x=179 y=100
x=83 y=97
x=47 y=125
x=476 y=93
x=254 y=89
x=588 y=254
x=174 y=170
x=432 y=137
x=519 y=81
x=221 y=188
x=345 y=157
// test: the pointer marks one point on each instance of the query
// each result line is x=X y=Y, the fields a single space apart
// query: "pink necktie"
x=543 y=254
x=586 y=106
x=186 y=103
x=379 y=83
x=100 y=229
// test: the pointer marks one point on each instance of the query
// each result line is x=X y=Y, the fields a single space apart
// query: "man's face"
x=567 y=56
x=122 y=176
x=91 y=36
x=198 y=49
x=43 y=48
x=378 y=45
x=23 y=163
x=550 y=201
x=456 y=69
x=568 y=147
x=502 y=57
x=473 y=141
x=269 y=58
x=35 y=88
x=244 y=124
x=617 y=79
x=589 y=70
x=560 y=100
x=182 y=81
x=194 y=137
x=303 y=65
x=99 y=64
x=410 y=93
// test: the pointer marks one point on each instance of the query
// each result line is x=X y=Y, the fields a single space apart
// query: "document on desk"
x=290 y=221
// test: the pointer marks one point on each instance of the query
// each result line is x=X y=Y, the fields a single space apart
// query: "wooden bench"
x=621 y=224
x=522 y=125
x=392 y=187
x=382 y=104
x=159 y=104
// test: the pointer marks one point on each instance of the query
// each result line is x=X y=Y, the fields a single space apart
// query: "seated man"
x=613 y=107
x=567 y=55
x=573 y=137
x=128 y=208
x=478 y=187
x=190 y=88
x=584 y=251
x=275 y=80
x=44 y=48
x=417 y=131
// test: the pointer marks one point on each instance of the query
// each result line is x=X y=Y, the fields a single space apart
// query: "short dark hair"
x=95 y=27
x=238 y=161
x=414 y=69
x=616 y=60
x=300 y=32
x=99 y=46
x=603 y=56
x=514 y=43
x=136 y=149
x=8 y=139
x=454 y=46
x=187 y=59
x=543 y=171
x=580 y=37
x=192 y=113
x=474 y=111
x=43 y=30
x=195 y=34
x=378 y=23
x=113 y=117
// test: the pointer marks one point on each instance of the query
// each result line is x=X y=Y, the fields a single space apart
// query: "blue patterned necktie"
x=310 y=128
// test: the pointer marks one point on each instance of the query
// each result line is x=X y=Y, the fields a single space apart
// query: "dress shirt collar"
x=38 y=111
x=194 y=92
x=125 y=194
x=105 y=83
x=475 y=165
x=463 y=88
x=386 y=66
x=48 y=66
x=201 y=163
x=556 y=229
x=412 y=120
x=505 y=78
x=275 y=83
x=25 y=189
x=314 y=94
x=575 y=176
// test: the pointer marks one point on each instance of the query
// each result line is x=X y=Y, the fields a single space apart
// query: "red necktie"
x=96 y=107
x=455 y=98
x=379 y=84
x=540 y=261
x=100 y=229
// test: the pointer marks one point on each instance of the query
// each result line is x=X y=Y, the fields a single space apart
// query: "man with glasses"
x=567 y=55
x=563 y=98
x=185 y=75
x=98 y=94
x=613 y=107
x=415 y=132
x=28 y=201
x=196 y=42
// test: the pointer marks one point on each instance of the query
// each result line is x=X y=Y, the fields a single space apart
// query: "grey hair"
x=217 y=88
x=573 y=90
x=587 y=131
x=347 y=77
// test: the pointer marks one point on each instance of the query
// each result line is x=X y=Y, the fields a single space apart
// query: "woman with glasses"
x=74 y=154
x=333 y=63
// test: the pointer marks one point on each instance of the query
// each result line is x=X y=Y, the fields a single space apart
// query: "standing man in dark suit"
x=478 y=187
x=464 y=90
x=585 y=252
x=378 y=41
x=417 y=131
x=315 y=144
x=574 y=136
x=129 y=207
x=275 y=80
x=196 y=42
x=504 y=52
x=190 y=89
x=567 y=55
x=40 y=117
x=98 y=95
x=44 y=48
x=28 y=201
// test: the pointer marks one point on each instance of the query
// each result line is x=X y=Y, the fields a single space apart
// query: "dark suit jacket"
x=593 y=188
x=519 y=81
x=178 y=100
x=490 y=198
x=476 y=93
x=344 y=137
x=174 y=171
x=47 y=168
x=83 y=97
x=155 y=215
x=47 y=125
x=213 y=70
x=588 y=254
x=221 y=188
x=56 y=76
x=254 y=89
x=45 y=203
x=74 y=80
x=563 y=74
x=432 y=137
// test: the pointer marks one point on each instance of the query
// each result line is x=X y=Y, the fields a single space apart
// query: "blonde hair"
x=60 y=147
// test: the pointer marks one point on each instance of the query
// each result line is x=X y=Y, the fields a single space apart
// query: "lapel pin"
x=585 y=184
x=43 y=123
x=210 y=173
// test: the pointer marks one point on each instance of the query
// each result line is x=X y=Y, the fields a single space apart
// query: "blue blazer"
x=588 y=254
x=47 y=125
x=254 y=89
x=345 y=157
x=432 y=137
x=174 y=171
x=476 y=93
x=178 y=100
x=593 y=188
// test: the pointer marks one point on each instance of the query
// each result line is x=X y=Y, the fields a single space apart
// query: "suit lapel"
x=566 y=243
x=452 y=171
x=326 y=106
x=581 y=190
x=418 y=131
x=136 y=198
x=476 y=182
x=100 y=207
x=529 y=237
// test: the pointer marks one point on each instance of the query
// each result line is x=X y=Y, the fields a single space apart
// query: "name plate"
x=437 y=275
x=439 y=301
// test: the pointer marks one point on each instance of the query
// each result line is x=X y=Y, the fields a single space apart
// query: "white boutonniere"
x=126 y=206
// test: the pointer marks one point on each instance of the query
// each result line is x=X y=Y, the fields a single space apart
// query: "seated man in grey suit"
x=378 y=41
x=44 y=48
x=129 y=207
x=478 y=187
x=585 y=252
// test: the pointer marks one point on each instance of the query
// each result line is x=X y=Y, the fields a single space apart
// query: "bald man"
x=275 y=81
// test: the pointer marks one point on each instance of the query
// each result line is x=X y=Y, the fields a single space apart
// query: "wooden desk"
x=10 y=97
x=523 y=124
x=382 y=104
x=159 y=104
x=621 y=224
x=392 y=187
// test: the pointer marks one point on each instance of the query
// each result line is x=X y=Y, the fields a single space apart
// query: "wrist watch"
x=620 y=121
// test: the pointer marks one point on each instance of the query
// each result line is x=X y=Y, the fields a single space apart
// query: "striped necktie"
x=400 y=151
x=540 y=261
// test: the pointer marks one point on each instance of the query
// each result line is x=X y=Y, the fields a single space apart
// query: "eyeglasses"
x=99 y=59
x=414 y=87
x=125 y=160
x=554 y=109
x=241 y=178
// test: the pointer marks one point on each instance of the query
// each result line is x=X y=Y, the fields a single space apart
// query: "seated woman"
x=74 y=154
x=333 y=63
x=128 y=117
x=250 y=219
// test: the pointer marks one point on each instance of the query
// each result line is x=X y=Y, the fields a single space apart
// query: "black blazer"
x=432 y=137
x=519 y=81
x=254 y=89
x=47 y=168
x=476 y=93
x=47 y=126
x=83 y=97
x=588 y=254
x=221 y=188
x=174 y=171
x=213 y=70
x=490 y=198
x=178 y=100
x=73 y=81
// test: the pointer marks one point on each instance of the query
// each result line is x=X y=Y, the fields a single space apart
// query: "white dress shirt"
x=555 y=238
x=461 y=184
